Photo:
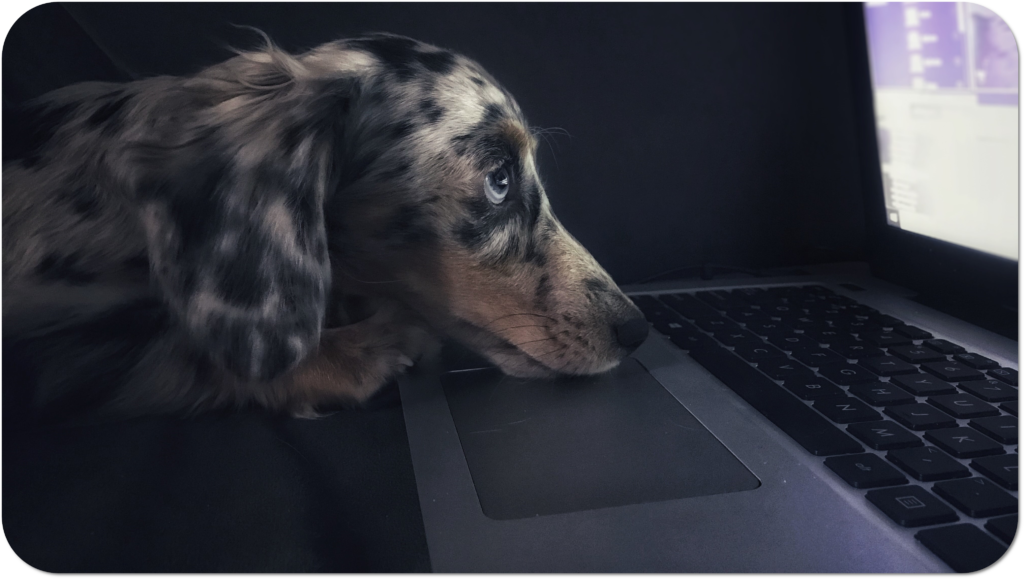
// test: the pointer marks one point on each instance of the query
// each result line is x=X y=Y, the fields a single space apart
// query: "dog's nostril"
x=632 y=333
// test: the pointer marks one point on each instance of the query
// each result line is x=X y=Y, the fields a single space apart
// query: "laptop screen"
x=945 y=87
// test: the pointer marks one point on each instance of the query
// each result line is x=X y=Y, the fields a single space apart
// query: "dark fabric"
x=233 y=492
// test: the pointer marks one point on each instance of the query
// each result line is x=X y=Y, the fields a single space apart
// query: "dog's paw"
x=353 y=362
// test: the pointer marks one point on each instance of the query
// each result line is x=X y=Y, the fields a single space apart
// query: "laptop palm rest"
x=542 y=447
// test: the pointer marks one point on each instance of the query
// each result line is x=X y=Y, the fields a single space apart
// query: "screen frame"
x=978 y=287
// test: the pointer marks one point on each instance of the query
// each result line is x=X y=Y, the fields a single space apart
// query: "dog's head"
x=447 y=212
x=378 y=166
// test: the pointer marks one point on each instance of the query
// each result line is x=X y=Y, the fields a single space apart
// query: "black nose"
x=631 y=333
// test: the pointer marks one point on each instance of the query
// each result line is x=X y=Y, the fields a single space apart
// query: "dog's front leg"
x=354 y=361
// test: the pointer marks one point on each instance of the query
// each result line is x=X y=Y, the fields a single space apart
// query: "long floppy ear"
x=234 y=212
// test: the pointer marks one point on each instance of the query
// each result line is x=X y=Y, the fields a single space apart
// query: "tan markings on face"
x=544 y=311
x=518 y=137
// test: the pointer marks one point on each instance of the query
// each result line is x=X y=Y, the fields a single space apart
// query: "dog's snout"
x=631 y=333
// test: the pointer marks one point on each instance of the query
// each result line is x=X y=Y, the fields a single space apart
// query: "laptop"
x=858 y=418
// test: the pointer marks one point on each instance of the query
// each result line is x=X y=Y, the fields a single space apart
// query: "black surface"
x=963 y=547
x=233 y=492
x=221 y=494
x=540 y=447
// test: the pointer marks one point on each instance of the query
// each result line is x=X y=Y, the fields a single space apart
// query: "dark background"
x=699 y=134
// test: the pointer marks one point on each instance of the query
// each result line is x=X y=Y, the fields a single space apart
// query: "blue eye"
x=496 y=185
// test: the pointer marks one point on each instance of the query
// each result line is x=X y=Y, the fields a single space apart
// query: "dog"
x=291 y=232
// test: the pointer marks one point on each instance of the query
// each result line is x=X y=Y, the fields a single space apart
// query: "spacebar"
x=808 y=428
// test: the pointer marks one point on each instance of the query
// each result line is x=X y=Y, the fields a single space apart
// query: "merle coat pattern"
x=290 y=231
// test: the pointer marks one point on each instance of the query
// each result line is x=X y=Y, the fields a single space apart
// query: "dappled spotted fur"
x=291 y=231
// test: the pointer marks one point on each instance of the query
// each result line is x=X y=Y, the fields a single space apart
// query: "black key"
x=1008 y=375
x=922 y=384
x=1001 y=428
x=886 y=339
x=846 y=374
x=888 y=366
x=829 y=335
x=856 y=350
x=927 y=463
x=952 y=371
x=884 y=435
x=845 y=410
x=805 y=426
x=771 y=328
x=749 y=293
x=691 y=341
x=1003 y=527
x=812 y=387
x=964 y=547
x=759 y=352
x=943 y=346
x=860 y=327
x=721 y=299
x=920 y=416
x=792 y=341
x=816 y=357
x=976 y=361
x=748 y=316
x=912 y=332
x=669 y=327
x=690 y=306
x=865 y=471
x=963 y=405
x=738 y=337
x=654 y=310
x=911 y=506
x=777 y=310
x=990 y=390
x=807 y=323
x=916 y=354
x=1010 y=407
x=977 y=497
x=881 y=394
x=887 y=321
x=963 y=442
x=783 y=368
x=716 y=325
x=1002 y=469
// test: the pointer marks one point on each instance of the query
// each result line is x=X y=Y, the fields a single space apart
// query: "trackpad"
x=539 y=447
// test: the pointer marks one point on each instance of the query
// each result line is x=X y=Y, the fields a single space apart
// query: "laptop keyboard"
x=926 y=428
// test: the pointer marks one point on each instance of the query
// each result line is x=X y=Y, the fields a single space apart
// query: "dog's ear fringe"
x=266 y=67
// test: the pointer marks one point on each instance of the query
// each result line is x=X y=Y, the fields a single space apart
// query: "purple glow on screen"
x=946 y=80
x=942 y=45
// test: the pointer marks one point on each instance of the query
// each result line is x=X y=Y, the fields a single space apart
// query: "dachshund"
x=291 y=232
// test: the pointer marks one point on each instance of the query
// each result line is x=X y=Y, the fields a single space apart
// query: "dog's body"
x=289 y=231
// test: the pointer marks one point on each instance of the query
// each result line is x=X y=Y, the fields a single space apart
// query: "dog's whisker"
x=490 y=323
x=525 y=326
x=534 y=341
x=562 y=347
